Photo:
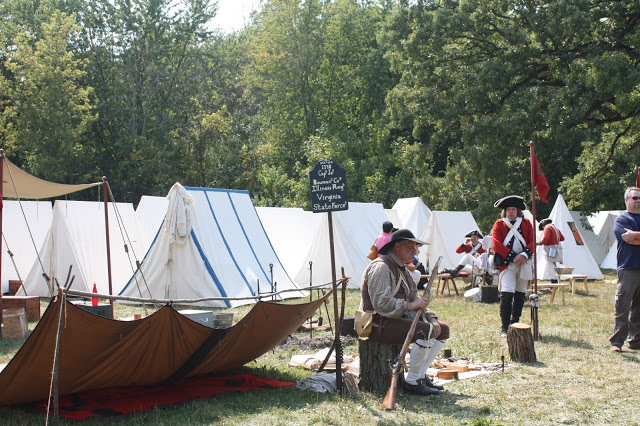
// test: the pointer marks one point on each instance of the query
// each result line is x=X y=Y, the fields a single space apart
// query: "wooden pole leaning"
x=389 y=402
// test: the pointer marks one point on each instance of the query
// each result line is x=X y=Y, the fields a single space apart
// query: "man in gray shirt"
x=391 y=294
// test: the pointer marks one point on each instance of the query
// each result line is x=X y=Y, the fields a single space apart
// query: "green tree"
x=143 y=55
x=480 y=79
x=46 y=108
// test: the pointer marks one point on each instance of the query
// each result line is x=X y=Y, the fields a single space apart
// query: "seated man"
x=475 y=260
x=391 y=294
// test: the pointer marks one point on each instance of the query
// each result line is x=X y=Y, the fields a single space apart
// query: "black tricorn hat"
x=511 y=201
x=543 y=223
x=472 y=233
x=397 y=236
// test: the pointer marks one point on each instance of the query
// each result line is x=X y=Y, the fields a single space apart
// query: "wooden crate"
x=15 y=323
x=14 y=285
x=31 y=304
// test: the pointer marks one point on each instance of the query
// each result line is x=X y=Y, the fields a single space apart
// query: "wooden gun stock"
x=389 y=401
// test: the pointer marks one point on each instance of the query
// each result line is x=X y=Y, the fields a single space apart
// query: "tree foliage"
x=430 y=98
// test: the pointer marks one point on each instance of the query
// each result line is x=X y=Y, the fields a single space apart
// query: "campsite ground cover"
x=575 y=381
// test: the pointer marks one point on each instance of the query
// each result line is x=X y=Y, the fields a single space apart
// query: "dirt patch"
x=314 y=343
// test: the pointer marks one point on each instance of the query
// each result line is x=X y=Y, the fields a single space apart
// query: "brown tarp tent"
x=97 y=353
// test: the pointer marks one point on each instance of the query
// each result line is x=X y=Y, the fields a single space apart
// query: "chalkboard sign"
x=328 y=187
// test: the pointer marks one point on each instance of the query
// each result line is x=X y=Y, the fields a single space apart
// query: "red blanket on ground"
x=126 y=400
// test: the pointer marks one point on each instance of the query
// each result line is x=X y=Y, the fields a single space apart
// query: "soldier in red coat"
x=513 y=240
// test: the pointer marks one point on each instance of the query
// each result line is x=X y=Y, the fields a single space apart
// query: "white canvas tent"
x=211 y=244
x=611 y=259
x=150 y=214
x=77 y=237
x=602 y=223
x=354 y=230
x=597 y=249
x=575 y=255
x=414 y=214
x=17 y=236
x=444 y=233
x=291 y=232
x=394 y=217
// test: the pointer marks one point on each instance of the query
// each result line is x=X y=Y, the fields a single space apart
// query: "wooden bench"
x=445 y=278
x=572 y=280
x=555 y=287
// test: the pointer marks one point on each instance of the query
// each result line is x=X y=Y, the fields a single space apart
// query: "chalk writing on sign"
x=328 y=187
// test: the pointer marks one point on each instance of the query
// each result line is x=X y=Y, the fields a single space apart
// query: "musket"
x=389 y=402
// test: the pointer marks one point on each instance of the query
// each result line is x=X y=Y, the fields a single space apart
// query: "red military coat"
x=466 y=248
x=500 y=231
x=549 y=236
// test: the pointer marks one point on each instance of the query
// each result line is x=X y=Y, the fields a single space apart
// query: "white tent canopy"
x=291 y=232
x=150 y=214
x=77 y=237
x=18 y=235
x=214 y=246
x=354 y=230
x=602 y=223
x=597 y=249
x=575 y=252
x=414 y=214
x=394 y=217
x=444 y=233
x=611 y=259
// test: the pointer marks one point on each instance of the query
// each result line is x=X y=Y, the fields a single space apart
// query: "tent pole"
x=1 y=208
x=535 y=260
x=337 y=342
x=106 y=226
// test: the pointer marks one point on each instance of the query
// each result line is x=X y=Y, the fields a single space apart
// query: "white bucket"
x=472 y=295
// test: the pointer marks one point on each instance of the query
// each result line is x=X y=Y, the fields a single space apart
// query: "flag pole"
x=534 y=318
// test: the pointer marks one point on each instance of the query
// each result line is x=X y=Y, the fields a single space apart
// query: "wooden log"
x=375 y=370
x=520 y=341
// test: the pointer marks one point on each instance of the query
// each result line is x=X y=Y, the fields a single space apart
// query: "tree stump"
x=520 y=341
x=375 y=369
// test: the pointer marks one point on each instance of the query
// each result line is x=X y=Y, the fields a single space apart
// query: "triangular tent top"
x=18 y=235
x=210 y=244
x=354 y=230
x=575 y=251
x=413 y=213
x=77 y=237
x=444 y=233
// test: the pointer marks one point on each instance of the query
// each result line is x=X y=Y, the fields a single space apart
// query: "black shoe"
x=426 y=381
x=634 y=345
x=419 y=389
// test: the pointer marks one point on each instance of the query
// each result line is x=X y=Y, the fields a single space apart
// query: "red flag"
x=539 y=180
x=638 y=178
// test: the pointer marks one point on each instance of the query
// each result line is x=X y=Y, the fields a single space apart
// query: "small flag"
x=638 y=178
x=540 y=180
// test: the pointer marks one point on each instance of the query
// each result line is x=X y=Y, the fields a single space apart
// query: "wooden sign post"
x=329 y=193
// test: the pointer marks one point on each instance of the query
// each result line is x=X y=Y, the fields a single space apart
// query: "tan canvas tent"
x=98 y=353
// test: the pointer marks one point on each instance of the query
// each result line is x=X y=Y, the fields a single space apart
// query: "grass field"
x=575 y=381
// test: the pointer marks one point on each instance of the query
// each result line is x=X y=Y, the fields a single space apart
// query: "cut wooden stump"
x=375 y=361
x=520 y=341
